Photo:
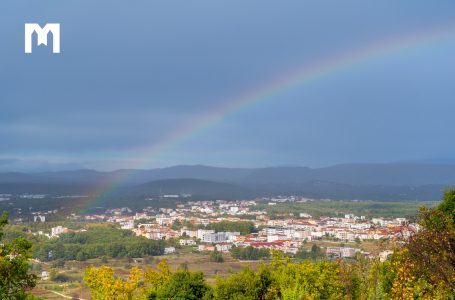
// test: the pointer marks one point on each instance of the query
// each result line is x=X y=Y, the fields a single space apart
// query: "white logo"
x=42 y=33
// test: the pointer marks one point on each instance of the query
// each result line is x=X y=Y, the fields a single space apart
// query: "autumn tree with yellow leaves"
x=104 y=285
x=159 y=283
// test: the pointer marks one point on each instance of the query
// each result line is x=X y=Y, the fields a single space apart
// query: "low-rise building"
x=187 y=242
x=169 y=250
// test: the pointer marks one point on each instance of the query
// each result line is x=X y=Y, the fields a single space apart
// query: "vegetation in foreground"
x=15 y=279
x=423 y=268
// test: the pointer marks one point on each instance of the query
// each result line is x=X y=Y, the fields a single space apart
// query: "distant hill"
x=193 y=187
x=394 y=181
x=360 y=174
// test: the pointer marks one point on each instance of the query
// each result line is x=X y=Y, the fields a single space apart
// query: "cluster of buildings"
x=5 y=197
x=57 y=231
x=188 y=222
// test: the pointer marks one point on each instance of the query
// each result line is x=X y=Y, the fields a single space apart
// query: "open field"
x=186 y=258
x=193 y=261
x=369 y=209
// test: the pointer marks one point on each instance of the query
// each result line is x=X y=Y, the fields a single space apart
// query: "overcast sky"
x=131 y=73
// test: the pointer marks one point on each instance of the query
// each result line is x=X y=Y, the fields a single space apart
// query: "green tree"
x=59 y=263
x=315 y=253
x=245 y=285
x=80 y=256
x=97 y=241
x=15 y=279
x=244 y=227
x=447 y=206
x=249 y=253
x=425 y=266
x=216 y=256
x=183 y=285
x=176 y=225
x=308 y=280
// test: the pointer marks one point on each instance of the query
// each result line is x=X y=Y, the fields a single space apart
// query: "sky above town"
x=142 y=84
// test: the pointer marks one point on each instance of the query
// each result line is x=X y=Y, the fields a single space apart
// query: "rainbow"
x=296 y=78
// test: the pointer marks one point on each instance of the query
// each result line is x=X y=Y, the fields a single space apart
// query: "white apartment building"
x=202 y=232
x=164 y=221
x=127 y=224
x=342 y=252
x=214 y=237
x=302 y=234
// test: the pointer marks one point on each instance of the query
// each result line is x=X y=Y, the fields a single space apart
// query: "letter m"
x=42 y=33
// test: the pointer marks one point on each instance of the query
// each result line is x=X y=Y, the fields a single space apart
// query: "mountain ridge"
x=343 y=181
x=357 y=174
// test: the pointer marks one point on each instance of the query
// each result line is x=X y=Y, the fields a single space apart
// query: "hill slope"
x=397 y=181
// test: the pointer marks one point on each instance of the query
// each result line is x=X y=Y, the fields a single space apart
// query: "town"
x=199 y=224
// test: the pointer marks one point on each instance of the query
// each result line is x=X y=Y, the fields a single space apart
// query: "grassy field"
x=369 y=209
x=186 y=258
x=74 y=287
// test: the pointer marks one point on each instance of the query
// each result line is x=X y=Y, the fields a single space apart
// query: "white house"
x=56 y=231
x=187 y=242
x=169 y=250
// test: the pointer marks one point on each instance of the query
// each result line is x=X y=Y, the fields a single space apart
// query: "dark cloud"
x=8 y=161
x=130 y=74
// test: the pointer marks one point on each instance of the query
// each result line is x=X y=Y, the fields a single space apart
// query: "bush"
x=249 y=253
x=61 y=278
x=216 y=256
